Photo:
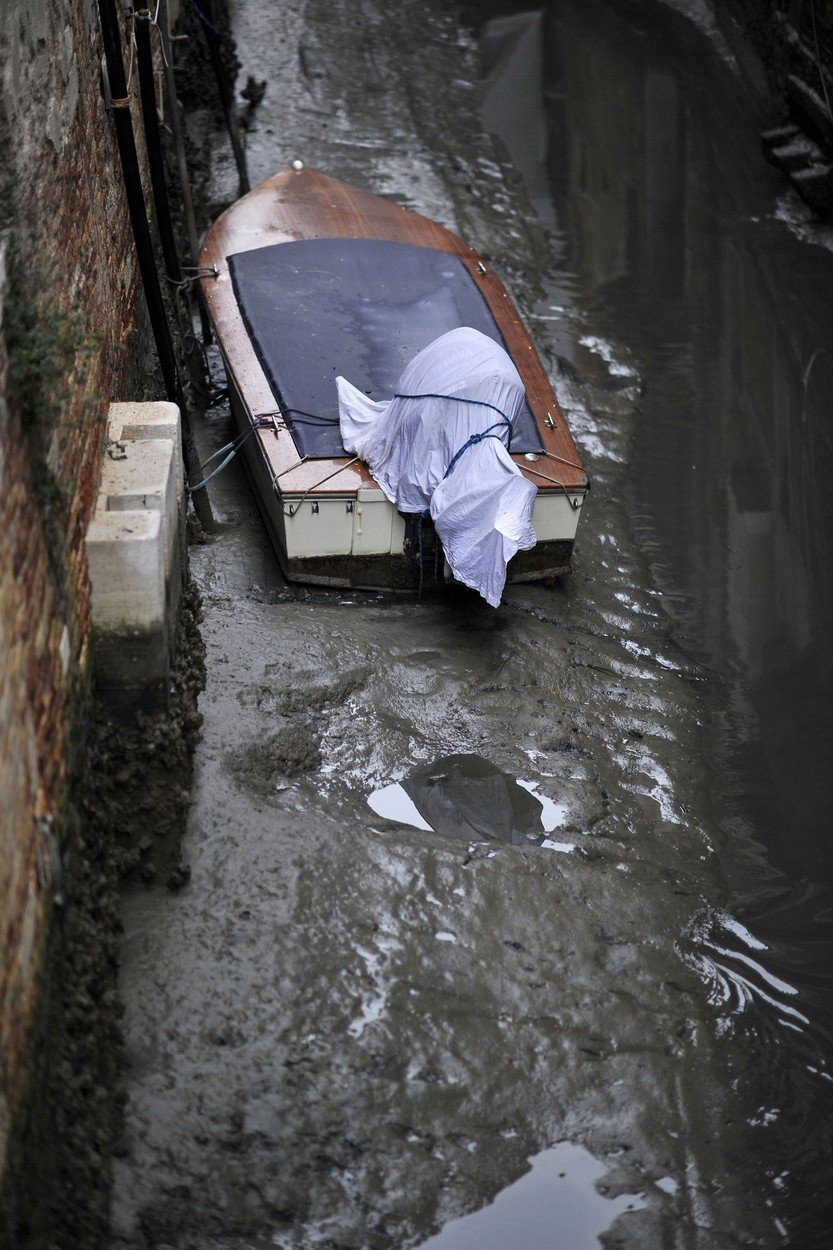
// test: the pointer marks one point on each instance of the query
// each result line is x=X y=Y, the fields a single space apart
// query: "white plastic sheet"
x=482 y=511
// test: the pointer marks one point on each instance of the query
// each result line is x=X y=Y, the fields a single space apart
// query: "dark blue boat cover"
x=358 y=307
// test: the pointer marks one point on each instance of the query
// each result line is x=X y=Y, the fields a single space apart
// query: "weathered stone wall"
x=794 y=41
x=69 y=314
x=765 y=21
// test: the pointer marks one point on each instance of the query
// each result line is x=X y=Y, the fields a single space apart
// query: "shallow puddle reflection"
x=465 y=796
x=556 y=1199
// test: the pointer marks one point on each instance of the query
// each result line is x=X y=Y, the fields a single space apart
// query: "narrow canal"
x=351 y=1031
x=683 y=258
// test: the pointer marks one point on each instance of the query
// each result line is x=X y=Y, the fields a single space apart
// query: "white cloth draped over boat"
x=482 y=508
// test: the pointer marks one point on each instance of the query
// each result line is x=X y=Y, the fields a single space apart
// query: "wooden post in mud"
x=212 y=39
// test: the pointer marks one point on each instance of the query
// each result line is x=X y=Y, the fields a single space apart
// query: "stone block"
x=135 y=552
x=143 y=469
x=140 y=477
x=126 y=562
x=159 y=419
x=131 y=635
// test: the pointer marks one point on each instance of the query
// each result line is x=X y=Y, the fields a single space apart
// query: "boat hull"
x=361 y=541
x=330 y=523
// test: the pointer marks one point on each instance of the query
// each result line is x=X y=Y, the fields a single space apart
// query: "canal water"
x=511 y=927
x=685 y=259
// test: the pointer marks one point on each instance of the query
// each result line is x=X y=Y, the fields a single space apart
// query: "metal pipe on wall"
x=159 y=185
x=174 y=120
x=144 y=248
x=153 y=144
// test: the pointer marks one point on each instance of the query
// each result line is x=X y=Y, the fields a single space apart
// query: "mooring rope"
x=474 y=438
x=232 y=448
x=264 y=421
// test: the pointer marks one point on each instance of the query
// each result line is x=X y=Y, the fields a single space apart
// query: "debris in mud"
x=180 y=877
x=252 y=93
x=263 y=767
x=465 y=796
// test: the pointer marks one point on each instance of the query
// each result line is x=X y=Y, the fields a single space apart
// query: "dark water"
x=696 y=270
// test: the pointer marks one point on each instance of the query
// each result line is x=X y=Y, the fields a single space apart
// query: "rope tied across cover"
x=277 y=420
x=434 y=456
x=473 y=439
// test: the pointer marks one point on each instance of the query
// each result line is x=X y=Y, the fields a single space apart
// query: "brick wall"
x=70 y=233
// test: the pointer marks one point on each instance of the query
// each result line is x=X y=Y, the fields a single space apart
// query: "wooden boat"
x=310 y=278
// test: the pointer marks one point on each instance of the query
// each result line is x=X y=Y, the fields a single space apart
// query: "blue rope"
x=475 y=438
x=232 y=448
x=422 y=517
x=194 y=8
x=219 y=468
x=470 y=442
x=421 y=554
x=459 y=399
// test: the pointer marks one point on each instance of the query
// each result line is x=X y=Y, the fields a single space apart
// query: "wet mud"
x=128 y=793
x=356 y=1030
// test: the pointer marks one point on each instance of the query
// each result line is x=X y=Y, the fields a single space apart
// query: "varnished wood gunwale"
x=304 y=204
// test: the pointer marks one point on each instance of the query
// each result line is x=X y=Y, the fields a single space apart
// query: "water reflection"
x=555 y=1204
x=513 y=64
x=669 y=216
x=678 y=247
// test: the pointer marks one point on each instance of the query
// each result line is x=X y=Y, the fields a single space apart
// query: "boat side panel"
x=317 y=527
x=373 y=526
x=555 y=516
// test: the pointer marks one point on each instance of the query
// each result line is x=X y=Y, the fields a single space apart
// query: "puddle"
x=392 y=803
x=555 y=1204
x=464 y=796
x=553 y=815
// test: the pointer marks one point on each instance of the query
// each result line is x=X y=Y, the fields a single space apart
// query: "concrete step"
x=778 y=137
x=815 y=186
x=799 y=153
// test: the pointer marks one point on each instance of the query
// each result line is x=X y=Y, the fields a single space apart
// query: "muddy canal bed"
x=509 y=1022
